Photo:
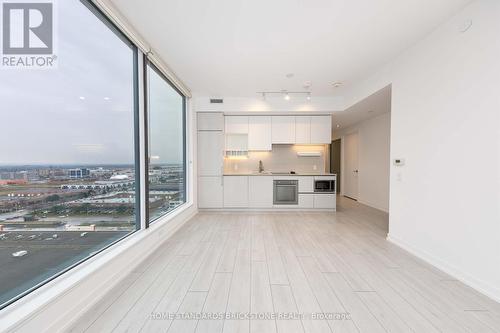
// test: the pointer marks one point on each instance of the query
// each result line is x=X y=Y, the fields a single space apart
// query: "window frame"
x=137 y=151
x=149 y=63
x=140 y=65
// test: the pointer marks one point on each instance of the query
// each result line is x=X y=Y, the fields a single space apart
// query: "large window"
x=166 y=130
x=68 y=179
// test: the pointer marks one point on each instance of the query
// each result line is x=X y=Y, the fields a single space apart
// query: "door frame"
x=342 y=162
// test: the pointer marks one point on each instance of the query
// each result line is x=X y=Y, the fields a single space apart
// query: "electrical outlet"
x=315 y=167
x=235 y=167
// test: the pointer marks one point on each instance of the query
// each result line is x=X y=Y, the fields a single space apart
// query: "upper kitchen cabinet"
x=283 y=129
x=303 y=130
x=236 y=124
x=210 y=121
x=259 y=133
x=321 y=129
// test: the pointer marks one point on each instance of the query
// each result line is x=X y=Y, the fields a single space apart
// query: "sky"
x=82 y=111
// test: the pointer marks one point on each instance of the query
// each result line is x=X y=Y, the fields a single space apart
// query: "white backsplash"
x=283 y=158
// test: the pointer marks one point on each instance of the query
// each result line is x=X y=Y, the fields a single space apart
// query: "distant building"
x=79 y=173
x=12 y=175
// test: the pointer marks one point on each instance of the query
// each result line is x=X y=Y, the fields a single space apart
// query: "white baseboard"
x=473 y=282
x=372 y=205
x=266 y=210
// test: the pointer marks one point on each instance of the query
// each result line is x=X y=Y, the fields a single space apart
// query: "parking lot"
x=48 y=252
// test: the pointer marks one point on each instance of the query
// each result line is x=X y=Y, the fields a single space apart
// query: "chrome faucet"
x=261 y=167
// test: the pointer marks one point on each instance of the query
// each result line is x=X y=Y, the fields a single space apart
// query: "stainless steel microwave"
x=324 y=185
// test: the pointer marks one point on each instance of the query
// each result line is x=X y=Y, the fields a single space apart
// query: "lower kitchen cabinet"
x=325 y=201
x=210 y=192
x=235 y=191
x=306 y=201
x=260 y=192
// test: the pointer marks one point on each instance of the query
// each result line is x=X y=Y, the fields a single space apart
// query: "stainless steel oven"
x=286 y=192
x=324 y=186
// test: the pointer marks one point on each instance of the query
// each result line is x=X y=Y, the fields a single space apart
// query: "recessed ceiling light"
x=82 y=98
x=338 y=126
x=337 y=84
x=107 y=98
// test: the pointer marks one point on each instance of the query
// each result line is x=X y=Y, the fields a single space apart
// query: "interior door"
x=351 y=171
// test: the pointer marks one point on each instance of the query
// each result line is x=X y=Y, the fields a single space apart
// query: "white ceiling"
x=372 y=106
x=239 y=47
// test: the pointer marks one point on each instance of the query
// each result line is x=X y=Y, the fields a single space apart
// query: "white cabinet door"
x=237 y=142
x=210 y=121
x=235 y=191
x=303 y=130
x=321 y=129
x=210 y=153
x=325 y=201
x=306 y=201
x=236 y=124
x=210 y=192
x=259 y=133
x=306 y=184
x=260 y=192
x=283 y=129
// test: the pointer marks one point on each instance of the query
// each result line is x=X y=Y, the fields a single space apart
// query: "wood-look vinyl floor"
x=289 y=272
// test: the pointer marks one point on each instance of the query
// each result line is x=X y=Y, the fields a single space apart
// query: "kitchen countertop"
x=277 y=174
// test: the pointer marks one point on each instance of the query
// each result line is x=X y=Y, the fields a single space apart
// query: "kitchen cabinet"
x=237 y=142
x=283 y=129
x=210 y=192
x=306 y=201
x=259 y=133
x=321 y=130
x=210 y=121
x=306 y=184
x=324 y=200
x=235 y=191
x=236 y=124
x=210 y=153
x=260 y=192
x=303 y=130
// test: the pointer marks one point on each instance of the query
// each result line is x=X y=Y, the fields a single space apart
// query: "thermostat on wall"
x=399 y=161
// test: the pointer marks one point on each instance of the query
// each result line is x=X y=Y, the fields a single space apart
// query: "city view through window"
x=166 y=145
x=67 y=159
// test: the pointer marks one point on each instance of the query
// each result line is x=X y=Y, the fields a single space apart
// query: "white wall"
x=373 y=160
x=445 y=202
